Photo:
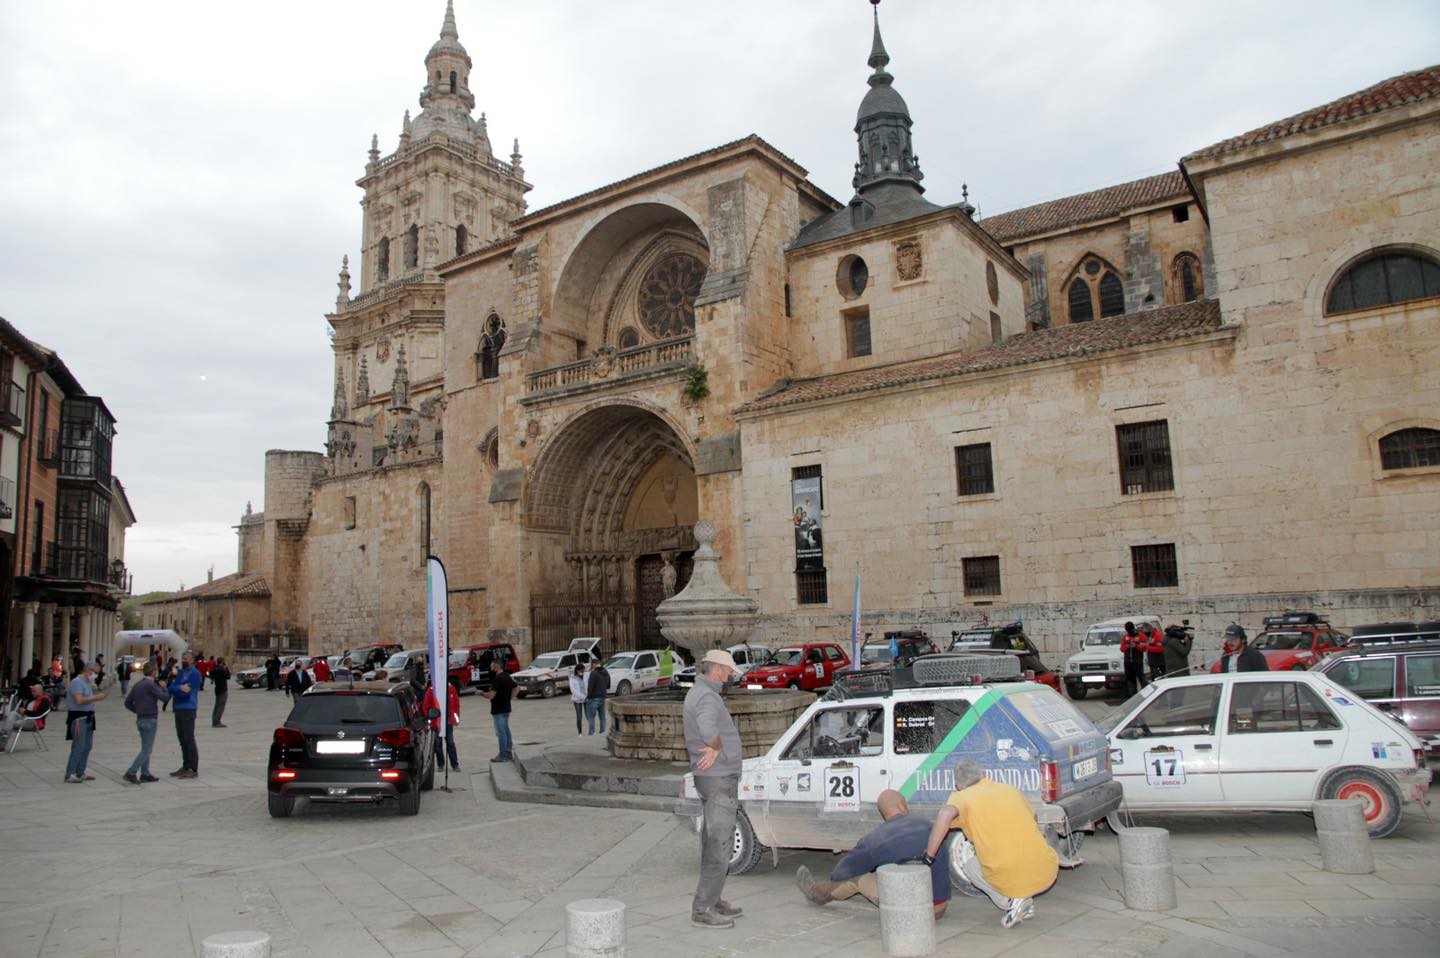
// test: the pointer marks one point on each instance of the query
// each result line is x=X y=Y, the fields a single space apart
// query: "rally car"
x=550 y=673
x=747 y=656
x=816 y=786
x=637 y=671
x=1262 y=741
x=469 y=667
x=1295 y=641
x=810 y=666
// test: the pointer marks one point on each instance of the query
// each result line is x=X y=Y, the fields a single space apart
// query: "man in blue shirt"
x=80 y=699
x=903 y=838
x=185 y=691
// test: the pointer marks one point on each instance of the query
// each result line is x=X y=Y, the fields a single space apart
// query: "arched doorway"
x=609 y=511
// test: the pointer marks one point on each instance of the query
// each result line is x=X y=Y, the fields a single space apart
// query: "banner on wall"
x=809 y=544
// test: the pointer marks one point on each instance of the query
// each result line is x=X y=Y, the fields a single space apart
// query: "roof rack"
x=1296 y=618
x=945 y=669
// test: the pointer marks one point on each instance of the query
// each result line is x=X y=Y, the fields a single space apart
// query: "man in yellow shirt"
x=1002 y=851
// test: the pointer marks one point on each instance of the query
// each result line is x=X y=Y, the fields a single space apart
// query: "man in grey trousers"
x=714 y=747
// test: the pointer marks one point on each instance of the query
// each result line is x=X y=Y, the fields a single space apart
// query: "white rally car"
x=816 y=786
x=550 y=673
x=1262 y=741
x=637 y=671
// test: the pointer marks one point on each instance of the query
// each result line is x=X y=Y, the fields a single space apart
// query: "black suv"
x=352 y=742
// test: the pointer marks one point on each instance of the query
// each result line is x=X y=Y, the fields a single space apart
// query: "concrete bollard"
x=1146 y=869
x=1344 y=839
x=236 y=944
x=595 y=928
x=907 y=912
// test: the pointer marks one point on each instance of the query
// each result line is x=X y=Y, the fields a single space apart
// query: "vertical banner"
x=437 y=606
x=805 y=501
x=855 y=623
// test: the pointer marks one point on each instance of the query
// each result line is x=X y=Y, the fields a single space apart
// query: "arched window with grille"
x=1081 y=305
x=412 y=247
x=382 y=264
x=1412 y=448
x=1186 y=278
x=492 y=340
x=1094 y=290
x=1383 y=278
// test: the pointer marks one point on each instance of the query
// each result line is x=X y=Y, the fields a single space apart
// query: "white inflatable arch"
x=150 y=637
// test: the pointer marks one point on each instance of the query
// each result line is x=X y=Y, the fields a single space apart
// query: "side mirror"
x=433 y=713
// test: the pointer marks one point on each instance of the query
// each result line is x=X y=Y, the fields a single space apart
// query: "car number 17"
x=1165 y=768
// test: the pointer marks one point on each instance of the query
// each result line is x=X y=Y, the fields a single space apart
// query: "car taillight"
x=1049 y=781
x=285 y=774
x=289 y=737
x=389 y=775
x=394 y=737
x=1419 y=757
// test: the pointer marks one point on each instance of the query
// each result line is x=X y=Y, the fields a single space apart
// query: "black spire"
x=882 y=127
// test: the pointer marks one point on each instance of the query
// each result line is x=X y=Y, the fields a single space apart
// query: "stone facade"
x=686 y=342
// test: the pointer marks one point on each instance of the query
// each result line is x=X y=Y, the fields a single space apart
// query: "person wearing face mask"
x=578 y=695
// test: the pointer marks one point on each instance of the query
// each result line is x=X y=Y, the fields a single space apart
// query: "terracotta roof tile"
x=1077 y=340
x=234 y=584
x=1385 y=95
x=1085 y=207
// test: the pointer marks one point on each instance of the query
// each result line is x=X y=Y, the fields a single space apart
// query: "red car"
x=810 y=666
x=469 y=667
x=1295 y=641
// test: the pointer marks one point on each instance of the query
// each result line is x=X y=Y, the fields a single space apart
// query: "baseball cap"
x=1233 y=631
x=721 y=657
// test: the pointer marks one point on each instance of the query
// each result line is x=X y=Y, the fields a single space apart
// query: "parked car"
x=299 y=661
x=747 y=656
x=1392 y=632
x=810 y=666
x=1295 y=641
x=469 y=667
x=550 y=672
x=898 y=649
x=407 y=666
x=1262 y=741
x=637 y=671
x=816 y=786
x=1099 y=666
x=368 y=658
x=249 y=678
x=1401 y=679
x=361 y=743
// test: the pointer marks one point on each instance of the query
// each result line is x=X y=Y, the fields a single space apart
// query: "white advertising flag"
x=437 y=607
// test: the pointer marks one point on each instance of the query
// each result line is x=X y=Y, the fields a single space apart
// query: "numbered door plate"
x=1164 y=768
x=842 y=788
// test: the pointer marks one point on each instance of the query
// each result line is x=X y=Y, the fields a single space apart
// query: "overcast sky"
x=178 y=177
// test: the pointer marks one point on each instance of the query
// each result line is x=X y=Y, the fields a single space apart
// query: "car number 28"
x=842 y=788
x=1086 y=768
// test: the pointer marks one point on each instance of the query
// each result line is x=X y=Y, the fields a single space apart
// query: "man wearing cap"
x=1239 y=656
x=714 y=746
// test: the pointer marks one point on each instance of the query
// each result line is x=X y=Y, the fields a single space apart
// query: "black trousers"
x=1157 y=665
x=185 y=732
x=219 y=710
x=1134 y=672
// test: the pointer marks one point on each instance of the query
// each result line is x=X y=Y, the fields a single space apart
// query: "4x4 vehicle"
x=352 y=742
x=1295 y=641
x=810 y=666
x=407 y=666
x=899 y=649
x=469 y=668
x=1262 y=741
x=550 y=673
x=1099 y=665
x=637 y=671
x=816 y=786
x=747 y=656
x=1399 y=678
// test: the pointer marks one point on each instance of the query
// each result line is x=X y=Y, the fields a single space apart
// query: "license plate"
x=1093 y=678
x=1086 y=768
x=337 y=791
x=337 y=747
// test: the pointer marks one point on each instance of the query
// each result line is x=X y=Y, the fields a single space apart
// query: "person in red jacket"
x=1154 y=641
x=1132 y=648
x=452 y=720
x=322 y=669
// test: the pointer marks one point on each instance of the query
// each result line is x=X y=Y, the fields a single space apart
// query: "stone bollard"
x=236 y=944
x=595 y=928
x=1146 y=869
x=1344 y=839
x=907 y=911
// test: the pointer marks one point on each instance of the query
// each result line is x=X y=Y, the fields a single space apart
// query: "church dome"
x=882 y=98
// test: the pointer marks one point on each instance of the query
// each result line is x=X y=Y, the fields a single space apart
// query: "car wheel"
x=428 y=782
x=1380 y=801
x=1076 y=692
x=792 y=684
x=280 y=806
x=547 y=691
x=410 y=802
x=746 y=852
x=623 y=688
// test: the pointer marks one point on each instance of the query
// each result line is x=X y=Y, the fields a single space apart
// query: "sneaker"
x=147 y=778
x=188 y=773
x=1020 y=909
x=817 y=892
x=74 y=780
x=728 y=910
x=177 y=773
x=88 y=777
x=710 y=919
x=131 y=777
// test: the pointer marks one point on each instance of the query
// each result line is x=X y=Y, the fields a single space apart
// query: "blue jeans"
x=82 y=737
x=146 y=727
x=448 y=746
x=502 y=733
x=594 y=707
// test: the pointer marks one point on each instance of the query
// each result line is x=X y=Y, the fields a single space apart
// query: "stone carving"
x=404 y=434
x=668 y=575
x=382 y=350
x=909 y=260
x=400 y=385
x=532 y=429
x=669 y=486
x=667 y=296
x=339 y=408
x=432 y=248
x=602 y=362
x=706 y=614
x=431 y=407
x=362 y=384
x=343 y=298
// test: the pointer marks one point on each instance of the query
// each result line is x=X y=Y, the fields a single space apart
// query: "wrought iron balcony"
x=12 y=402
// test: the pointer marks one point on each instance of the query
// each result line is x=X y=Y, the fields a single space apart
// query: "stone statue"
x=668 y=575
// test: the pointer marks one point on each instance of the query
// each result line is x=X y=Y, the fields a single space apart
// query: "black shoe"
x=218 y=725
x=178 y=772
x=131 y=778
x=146 y=779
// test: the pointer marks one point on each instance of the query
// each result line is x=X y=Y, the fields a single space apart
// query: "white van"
x=1098 y=666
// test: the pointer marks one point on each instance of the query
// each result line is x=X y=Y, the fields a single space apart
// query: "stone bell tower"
x=440 y=194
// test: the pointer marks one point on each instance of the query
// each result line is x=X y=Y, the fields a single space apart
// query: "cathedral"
x=1211 y=394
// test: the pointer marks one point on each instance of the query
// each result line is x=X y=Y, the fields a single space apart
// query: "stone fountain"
x=706 y=614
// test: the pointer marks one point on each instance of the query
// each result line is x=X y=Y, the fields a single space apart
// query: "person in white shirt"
x=577 y=695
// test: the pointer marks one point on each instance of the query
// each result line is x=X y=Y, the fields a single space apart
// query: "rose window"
x=667 y=296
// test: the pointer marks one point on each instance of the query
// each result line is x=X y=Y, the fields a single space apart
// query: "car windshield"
x=397 y=661
x=621 y=662
x=1281 y=640
x=785 y=657
x=345 y=709
x=548 y=661
x=1098 y=637
x=1112 y=718
x=459 y=658
x=874 y=653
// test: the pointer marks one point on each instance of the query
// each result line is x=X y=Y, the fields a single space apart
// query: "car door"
x=1421 y=707
x=814 y=668
x=1167 y=753
x=834 y=662
x=1372 y=677
x=821 y=788
x=1279 y=738
x=647 y=671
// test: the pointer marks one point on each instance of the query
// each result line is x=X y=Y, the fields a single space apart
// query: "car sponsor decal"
x=802 y=782
x=949 y=743
x=1164 y=767
x=1377 y=750
x=784 y=782
x=842 y=788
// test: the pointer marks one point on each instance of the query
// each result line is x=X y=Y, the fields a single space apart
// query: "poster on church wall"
x=805 y=501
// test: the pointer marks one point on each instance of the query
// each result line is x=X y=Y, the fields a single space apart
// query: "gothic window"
x=462 y=239
x=1410 y=449
x=1095 y=290
x=412 y=247
x=1384 y=278
x=490 y=449
x=382 y=268
x=492 y=340
x=629 y=338
x=1187 y=278
x=667 y=296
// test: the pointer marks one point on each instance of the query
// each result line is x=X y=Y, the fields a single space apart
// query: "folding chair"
x=33 y=725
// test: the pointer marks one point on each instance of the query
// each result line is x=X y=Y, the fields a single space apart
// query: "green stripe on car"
x=950 y=742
